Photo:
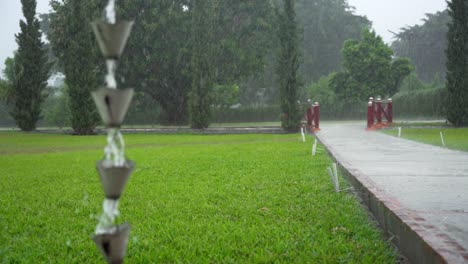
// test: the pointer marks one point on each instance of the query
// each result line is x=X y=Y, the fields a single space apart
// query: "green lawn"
x=214 y=125
x=192 y=199
x=455 y=138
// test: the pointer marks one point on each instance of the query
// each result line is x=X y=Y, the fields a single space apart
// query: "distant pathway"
x=417 y=192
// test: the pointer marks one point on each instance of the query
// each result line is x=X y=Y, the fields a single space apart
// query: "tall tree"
x=457 y=63
x=202 y=67
x=327 y=25
x=158 y=55
x=31 y=71
x=74 y=44
x=288 y=66
x=425 y=45
x=160 y=48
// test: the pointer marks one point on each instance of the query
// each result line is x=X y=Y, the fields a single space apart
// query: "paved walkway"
x=416 y=191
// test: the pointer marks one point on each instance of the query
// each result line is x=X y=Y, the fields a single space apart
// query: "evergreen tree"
x=288 y=66
x=202 y=63
x=74 y=45
x=31 y=71
x=457 y=63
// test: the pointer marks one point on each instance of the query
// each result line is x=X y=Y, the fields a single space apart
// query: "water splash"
x=115 y=149
x=111 y=82
x=107 y=219
x=110 y=12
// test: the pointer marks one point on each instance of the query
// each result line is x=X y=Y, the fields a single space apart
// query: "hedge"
x=246 y=114
x=421 y=104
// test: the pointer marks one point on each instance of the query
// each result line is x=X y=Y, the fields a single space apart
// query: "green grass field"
x=191 y=199
x=455 y=138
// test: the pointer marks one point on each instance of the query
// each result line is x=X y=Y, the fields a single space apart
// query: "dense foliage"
x=422 y=103
x=457 y=63
x=159 y=51
x=75 y=47
x=326 y=24
x=369 y=69
x=202 y=67
x=56 y=108
x=27 y=72
x=157 y=56
x=425 y=45
x=288 y=66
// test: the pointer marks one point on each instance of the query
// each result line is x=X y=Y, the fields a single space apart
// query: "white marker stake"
x=399 y=131
x=302 y=134
x=314 y=148
x=335 y=175
x=333 y=179
x=330 y=172
x=442 y=138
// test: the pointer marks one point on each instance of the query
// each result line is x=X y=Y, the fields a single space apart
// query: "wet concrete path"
x=424 y=188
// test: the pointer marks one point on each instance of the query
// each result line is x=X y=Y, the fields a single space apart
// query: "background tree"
x=5 y=93
x=457 y=63
x=425 y=45
x=327 y=24
x=7 y=88
x=243 y=37
x=288 y=66
x=202 y=63
x=159 y=48
x=369 y=69
x=56 y=107
x=324 y=25
x=30 y=71
x=224 y=96
x=158 y=55
x=76 y=49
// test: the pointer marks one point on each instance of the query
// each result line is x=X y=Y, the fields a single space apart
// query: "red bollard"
x=390 y=111
x=379 y=112
x=370 y=115
x=317 y=116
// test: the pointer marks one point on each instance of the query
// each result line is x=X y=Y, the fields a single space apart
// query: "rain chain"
x=112 y=104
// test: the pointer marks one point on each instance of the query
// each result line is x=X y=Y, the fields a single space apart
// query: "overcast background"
x=384 y=14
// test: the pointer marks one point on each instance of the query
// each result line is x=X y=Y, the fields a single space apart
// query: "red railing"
x=377 y=110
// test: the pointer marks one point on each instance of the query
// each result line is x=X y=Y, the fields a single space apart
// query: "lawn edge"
x=417 y=240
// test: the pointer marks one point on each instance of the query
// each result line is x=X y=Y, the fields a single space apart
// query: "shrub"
x=56 y=110
x=246 y=114
x=430 y=103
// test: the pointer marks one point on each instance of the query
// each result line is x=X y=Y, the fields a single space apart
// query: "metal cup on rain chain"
x=112 y=105
x=112 y=37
